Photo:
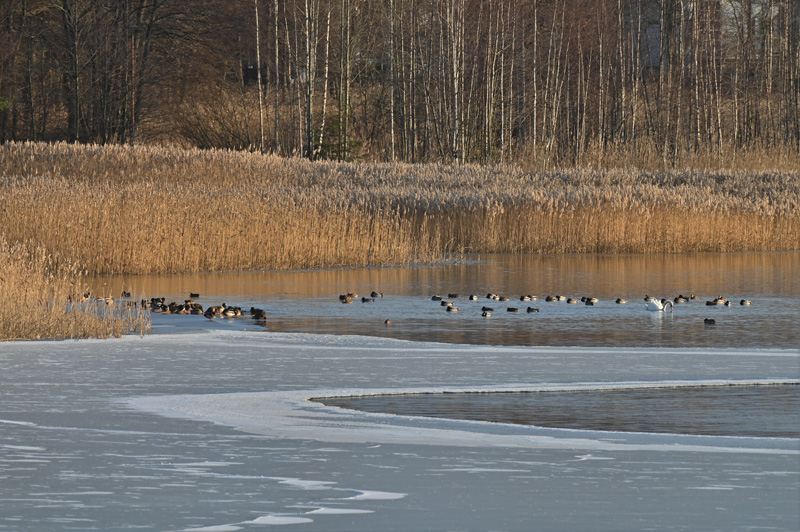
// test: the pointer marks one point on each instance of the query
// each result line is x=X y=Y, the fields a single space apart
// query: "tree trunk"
x=277 y=146
x=325 y=83
x=260 y=91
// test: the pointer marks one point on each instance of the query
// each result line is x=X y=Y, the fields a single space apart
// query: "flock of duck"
x=651 y=303
x=189 y=306
x=159 y=305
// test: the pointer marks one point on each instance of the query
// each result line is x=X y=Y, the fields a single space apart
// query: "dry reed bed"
x=152 y=209
x=40 y=300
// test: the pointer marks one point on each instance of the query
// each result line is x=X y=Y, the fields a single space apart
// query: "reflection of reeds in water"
x=44 y=298
x=149 y=209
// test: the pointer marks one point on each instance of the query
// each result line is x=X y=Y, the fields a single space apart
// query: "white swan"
x=658 y=306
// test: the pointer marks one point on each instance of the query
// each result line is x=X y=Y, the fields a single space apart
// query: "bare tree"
x=260 y=91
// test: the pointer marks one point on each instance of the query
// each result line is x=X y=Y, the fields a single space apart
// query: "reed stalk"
x=44 y=298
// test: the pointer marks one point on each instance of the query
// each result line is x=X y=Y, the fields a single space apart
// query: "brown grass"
x=147 y=209
x=42 y=298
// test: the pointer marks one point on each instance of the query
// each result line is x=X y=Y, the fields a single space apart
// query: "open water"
x=307 y=301
x=766 y=411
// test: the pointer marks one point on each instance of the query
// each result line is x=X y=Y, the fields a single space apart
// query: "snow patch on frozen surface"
x=340 y=511
x=279 y=520
x=376 y=496
x=215 y=528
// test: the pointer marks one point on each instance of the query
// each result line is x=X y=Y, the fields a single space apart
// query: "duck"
x=376 y=294
x=387 y=322
x=486 y=313
x=550 y=299
x=345 y=300
x=512 y=309
x=744 y=302
x=258 y=314
x=368 y=300
x=230 y=312
x=451 y=308
x=487 y=309
x=524 y=298
x=125 y=293
x=446 y=303
x=193 y=295
x=473 y=297
x=436 y=298
x=452 y=296
x=621 y=301
x=532 y=309
x=709 y=321
x=572 y=301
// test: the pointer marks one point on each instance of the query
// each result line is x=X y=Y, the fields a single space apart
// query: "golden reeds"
x=43 y=298
x=119 y=209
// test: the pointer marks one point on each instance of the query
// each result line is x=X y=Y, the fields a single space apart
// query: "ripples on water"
x=761 y=411
x=307 y=301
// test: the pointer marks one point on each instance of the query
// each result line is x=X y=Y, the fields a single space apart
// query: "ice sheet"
x=237 y=444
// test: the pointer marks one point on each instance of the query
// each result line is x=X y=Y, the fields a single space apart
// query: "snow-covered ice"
x=216 y=432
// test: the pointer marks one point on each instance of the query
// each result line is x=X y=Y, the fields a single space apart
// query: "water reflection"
x=761 y=411
x=307 y=301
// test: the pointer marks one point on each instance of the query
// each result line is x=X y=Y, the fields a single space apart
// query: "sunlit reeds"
x=137 y=210
x=44 y=298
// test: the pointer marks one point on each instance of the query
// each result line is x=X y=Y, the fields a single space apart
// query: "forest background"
x=541 y=83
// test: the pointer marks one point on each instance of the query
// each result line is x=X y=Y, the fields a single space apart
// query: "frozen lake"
x=213 y=431
x=207 y=425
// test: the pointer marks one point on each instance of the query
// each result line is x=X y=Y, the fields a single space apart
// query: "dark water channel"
x=760 y=410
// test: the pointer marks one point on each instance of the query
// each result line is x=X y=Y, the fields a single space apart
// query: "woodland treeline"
x=406 y=80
